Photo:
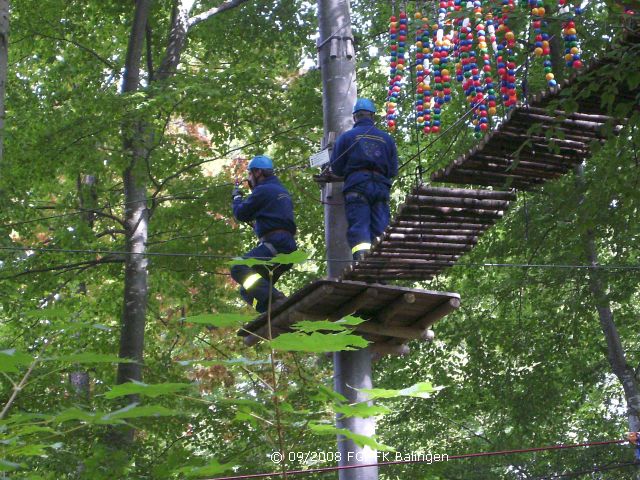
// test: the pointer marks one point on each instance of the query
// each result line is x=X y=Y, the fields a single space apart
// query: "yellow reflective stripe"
x=255 y=302
x=250 y=280
x=361 y=246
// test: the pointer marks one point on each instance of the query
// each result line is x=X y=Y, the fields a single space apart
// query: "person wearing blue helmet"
x=271 y=209
x=367 y=158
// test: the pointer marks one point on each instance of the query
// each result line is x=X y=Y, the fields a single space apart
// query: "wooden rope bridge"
x=435 y=226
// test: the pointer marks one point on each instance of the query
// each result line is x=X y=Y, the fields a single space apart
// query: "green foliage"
x=138 y=388
x=317 y=342
x=522 y=362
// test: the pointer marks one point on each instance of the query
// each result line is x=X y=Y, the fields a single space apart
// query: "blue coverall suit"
x=270 y=206
x=368 y=159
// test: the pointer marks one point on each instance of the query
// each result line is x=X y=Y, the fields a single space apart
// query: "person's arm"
x=245 y=209
x=338 y=157
x=393 y=161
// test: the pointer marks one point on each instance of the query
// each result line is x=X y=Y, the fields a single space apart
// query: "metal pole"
x=352 y=370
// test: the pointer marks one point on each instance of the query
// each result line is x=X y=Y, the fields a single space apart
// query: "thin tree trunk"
x=4 y=65
x=615 y=350
x=136 y=214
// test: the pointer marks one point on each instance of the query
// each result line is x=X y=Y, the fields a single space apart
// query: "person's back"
x=270 y=205
x=368 y=159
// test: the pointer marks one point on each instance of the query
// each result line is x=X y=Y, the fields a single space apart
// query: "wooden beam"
x=466 y=239
x=384 y=315
x=356 y=303
x=437 y=313
x=387 y=349
x=449 y=211
x=465 y=193
x=407 y=333
x=462 y=202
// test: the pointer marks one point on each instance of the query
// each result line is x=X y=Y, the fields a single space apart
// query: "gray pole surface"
x=352 y=370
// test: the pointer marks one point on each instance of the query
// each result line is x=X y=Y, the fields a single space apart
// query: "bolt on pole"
x=352 y=370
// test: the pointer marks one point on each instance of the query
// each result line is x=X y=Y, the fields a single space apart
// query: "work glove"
x=236 y=193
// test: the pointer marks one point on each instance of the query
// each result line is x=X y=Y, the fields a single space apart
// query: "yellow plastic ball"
x=418 y=44
x=419 y=67
x=436 y=61
x=420 y=119
x=492 y=110
x=509 y=35
x=538 y=51
x=571 y=31
x=574 y=50
x=549 y=76
x=400 y=67
x=534 y=11
x=418 y=15
x=568 y=57
x=545 y=44
x=444 y=72
x=541 y=11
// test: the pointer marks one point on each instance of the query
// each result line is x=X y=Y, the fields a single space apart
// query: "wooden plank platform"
x=430 y=232
x=393 y=315
x=539 y=142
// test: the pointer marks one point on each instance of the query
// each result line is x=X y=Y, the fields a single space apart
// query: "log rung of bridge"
x=429 y=233
x=392 y=315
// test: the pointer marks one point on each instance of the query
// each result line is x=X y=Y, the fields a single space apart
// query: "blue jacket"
x=269 y=205
x=364 y=147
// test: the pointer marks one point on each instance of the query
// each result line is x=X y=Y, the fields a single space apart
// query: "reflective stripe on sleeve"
x=361 y=246
x=251 y=280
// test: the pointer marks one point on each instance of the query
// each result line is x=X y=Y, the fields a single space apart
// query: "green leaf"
x=318 y=342
x=139 y=388
x=134 y=411
x=309 y=326
x=32 y=450
x=11 y=359
x=90 y=357
x=48 y=313
x=360 y=440
x=212 y=468
x=325 y=393
x=282 y=258
x=350 y=320
x=296 y=257
x=230 y=362
x=420 y=390
x=361 y=410
x=7 y=466
x=74 y=413
x=221 y=320
x=20 y=418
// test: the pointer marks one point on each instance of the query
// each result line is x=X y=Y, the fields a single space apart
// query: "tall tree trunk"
x=136 y=214
x=4 y=65
x=615 y=350
x=177 y=39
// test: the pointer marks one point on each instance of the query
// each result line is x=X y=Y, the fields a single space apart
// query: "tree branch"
x=68 y=266
x=81 y=47
x=201 y=17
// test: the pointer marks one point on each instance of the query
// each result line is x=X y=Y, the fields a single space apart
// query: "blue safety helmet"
x=364 y=104
x=261 y=161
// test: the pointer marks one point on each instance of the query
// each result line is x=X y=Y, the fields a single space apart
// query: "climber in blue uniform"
x=271 y=208
x=367 y=158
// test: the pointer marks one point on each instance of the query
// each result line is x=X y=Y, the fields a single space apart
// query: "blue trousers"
x=367 y=211
x=254 y=281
